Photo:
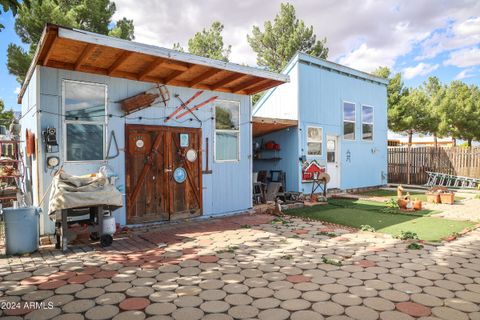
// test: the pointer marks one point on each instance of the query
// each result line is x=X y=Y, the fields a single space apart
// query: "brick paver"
x=217 y=270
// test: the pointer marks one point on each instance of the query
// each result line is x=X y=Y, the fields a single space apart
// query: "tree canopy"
x=208 y=43
x=6 y=117
x=10 y=5
x=433 y=108
x=90 y=15
x=282 y=38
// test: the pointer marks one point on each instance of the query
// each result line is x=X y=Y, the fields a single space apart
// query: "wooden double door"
x=162 y=182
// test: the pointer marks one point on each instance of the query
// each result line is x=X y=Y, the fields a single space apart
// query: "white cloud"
x=363 y=34
x=464 y=58
x=367 y=59
x=465 y=73
x=17 y=90
x=421 y=69
x=457 y=35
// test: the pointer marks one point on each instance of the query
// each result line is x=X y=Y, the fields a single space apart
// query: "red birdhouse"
x=311 y=170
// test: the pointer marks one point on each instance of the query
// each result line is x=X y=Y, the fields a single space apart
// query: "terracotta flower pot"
x=447 y=198
x=402 y=204
x=433 y=197
x=417 y=205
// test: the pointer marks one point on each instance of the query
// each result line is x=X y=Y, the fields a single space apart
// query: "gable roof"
x=78 y=50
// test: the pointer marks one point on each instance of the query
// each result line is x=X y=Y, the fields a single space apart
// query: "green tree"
x=282 y=38
x=6 y=117
x=435 y=92
x=90 y=15
x=460 y=112
x=396 y=101
x=10 y=5
x=208 y=43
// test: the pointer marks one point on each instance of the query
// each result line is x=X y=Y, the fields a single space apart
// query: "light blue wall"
x=288 y=140
x=318 y=91
x=322 y=93
x=227 y=189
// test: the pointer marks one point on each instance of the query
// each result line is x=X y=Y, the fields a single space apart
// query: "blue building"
x=73 y=102
x=328 y=114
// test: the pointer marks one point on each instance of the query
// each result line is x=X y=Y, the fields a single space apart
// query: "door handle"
x=168 y=170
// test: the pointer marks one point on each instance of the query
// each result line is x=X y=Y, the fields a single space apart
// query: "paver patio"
x=245 y=267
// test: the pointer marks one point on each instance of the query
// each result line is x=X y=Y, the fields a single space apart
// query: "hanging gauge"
x=191 y=155
x=179 y=175
x=139 y=143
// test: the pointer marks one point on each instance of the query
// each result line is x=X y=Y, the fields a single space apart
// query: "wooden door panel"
x=187 y=196
x=158 y=196
x=149 y=203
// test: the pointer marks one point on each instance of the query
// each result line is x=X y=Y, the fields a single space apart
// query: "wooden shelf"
x=8 y=197
x=15 y=176
x=9 y=161
x=263 y=149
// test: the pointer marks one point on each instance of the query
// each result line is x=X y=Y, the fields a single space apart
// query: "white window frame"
x=372 y=123
x=354 y=121
x=215 y=130
x=101 y=121
x=321 y=142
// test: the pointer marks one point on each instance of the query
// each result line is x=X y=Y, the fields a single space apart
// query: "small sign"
x=179 y=175
x=183 y=140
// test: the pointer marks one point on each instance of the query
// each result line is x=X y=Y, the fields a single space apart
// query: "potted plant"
x=447 y=197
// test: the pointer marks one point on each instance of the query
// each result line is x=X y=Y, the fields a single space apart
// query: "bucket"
x=109 y=226
x=21 y=229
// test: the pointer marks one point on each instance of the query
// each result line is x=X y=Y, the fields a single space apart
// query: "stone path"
x=467 y=209
x=247 y=267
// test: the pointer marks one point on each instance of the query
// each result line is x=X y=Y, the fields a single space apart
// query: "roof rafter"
x=87 y=51
x=204 y=76
x=227 y=80
x=120 y=60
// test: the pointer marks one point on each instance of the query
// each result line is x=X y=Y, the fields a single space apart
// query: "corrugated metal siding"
x=227 y=189
x=321 y=97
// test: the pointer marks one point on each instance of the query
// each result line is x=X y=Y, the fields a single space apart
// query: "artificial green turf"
x=393 y=193
x=355 y=213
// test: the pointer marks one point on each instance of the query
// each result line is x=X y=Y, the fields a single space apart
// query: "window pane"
x=84 y=142
x=227 y=115
x=314 y=134
x=367 y=131
x=367 y=114
x=226 y=146
x=84 y=101
x=348 y=111
x=314 y=148
x=349 y=130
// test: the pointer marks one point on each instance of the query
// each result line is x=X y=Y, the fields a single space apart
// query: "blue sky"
x=417 y=38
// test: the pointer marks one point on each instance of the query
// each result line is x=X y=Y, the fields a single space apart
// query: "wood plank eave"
x=120 y=60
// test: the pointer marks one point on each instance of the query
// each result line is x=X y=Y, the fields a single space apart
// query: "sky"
x=419 y=38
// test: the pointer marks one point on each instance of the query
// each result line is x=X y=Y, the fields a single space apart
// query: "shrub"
x=408 y=235
x=415 y=246
x=366 y=227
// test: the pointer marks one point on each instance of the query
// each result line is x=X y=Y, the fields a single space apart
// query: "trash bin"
x=21 y=229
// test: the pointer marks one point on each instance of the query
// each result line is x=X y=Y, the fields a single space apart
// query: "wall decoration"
x=349 y=156
x=183 y=140
x=191 y=155
x=311 y=170
x=179 y=175
x=155 y=95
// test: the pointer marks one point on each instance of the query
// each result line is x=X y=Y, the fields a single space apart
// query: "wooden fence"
x=410 y=165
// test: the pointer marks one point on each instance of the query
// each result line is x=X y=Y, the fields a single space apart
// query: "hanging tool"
x=117 y=150
x=183 y=106
x=188 y=109
x=198 y=106
x=207 y=170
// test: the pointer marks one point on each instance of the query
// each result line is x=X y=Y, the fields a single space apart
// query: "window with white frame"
x=367 y=123
x=227 y=130
x=84 y=107
x=349 y=121
x=314 y=141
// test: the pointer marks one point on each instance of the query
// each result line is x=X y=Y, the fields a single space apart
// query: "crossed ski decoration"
x=184 y=106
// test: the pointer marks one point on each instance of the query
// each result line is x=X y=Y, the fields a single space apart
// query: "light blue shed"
x=199 y=159
x=328 y=115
